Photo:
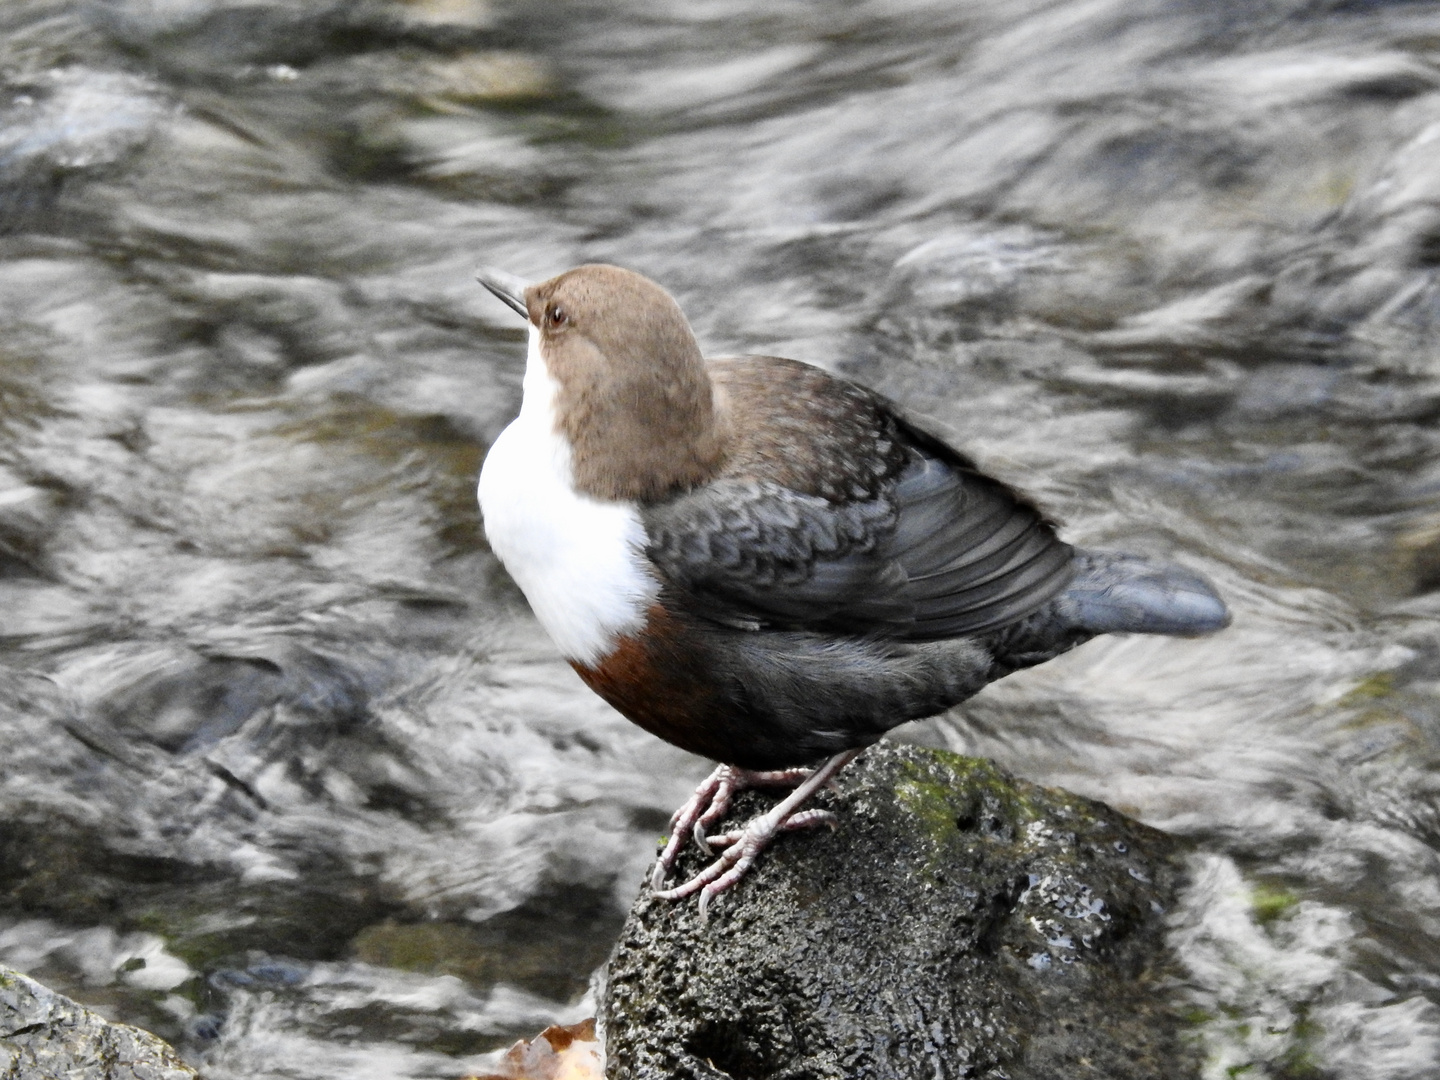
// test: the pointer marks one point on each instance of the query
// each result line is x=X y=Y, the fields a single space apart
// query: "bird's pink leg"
x=709 y=804
x=744 y=845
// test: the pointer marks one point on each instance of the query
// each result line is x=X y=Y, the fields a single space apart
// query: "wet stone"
x=957 y=923
x=44 y=1035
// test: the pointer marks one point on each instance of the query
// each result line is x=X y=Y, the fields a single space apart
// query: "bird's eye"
x=558 y=316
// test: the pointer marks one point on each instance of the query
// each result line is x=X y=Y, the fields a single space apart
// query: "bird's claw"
x=739 y=847
x=698 y=835
x=710 y=803
x=805 y=819
x=739 y=853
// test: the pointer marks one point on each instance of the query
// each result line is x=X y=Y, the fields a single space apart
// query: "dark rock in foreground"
x=44 y=1036
x=958 y=923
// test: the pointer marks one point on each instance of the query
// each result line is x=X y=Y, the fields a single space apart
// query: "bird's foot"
x=709 y=804
x=742 y=846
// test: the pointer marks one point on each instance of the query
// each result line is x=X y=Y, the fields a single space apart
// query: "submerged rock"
x=44 y=1035
x=957 y=923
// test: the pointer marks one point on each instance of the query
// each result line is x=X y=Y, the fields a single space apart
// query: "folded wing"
x=938 y=551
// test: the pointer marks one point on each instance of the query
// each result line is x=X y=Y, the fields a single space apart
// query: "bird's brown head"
x=634 y=398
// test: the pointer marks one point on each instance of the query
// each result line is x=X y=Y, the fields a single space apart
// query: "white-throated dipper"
x=765 y=564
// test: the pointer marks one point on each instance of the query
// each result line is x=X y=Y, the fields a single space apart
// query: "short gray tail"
x=1113 y=593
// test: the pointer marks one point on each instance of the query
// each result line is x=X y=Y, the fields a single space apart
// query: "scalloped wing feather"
x=934 y=549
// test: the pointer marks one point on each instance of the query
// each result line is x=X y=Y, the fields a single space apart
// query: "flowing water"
x=287 y=771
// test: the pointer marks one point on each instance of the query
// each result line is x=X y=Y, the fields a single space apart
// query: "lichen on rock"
x=957 y=923
x=44 y=1035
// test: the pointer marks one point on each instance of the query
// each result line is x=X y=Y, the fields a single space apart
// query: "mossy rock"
x=957 y=923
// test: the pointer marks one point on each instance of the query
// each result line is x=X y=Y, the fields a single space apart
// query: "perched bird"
x=765 y=564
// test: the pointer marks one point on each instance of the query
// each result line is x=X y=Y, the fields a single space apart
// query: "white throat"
x=579 y=560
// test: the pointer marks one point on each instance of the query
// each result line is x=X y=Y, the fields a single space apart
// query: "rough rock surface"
x=44 y=1036
x=958 y=923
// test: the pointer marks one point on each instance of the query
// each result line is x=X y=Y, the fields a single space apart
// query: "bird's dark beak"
x=506 y=287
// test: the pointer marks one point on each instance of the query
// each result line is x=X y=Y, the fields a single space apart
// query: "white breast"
x=578 y=560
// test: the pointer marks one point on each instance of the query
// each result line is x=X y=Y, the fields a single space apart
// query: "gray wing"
x=939 y=552
x=975 y=555
x=753 y=553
